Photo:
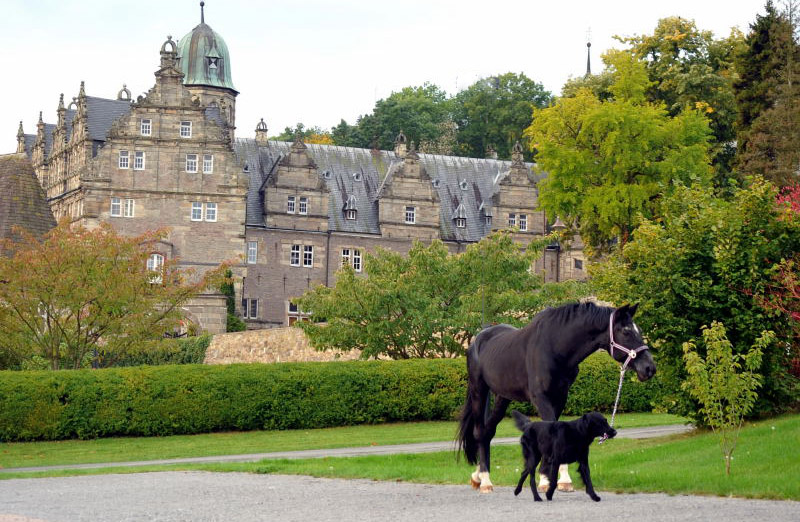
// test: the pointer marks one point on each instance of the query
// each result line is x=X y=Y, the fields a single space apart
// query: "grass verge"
x=125 y=449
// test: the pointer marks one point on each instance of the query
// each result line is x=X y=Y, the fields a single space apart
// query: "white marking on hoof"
x=474 y=480
x=486 y=484
x=564 y=480
x=544 y=483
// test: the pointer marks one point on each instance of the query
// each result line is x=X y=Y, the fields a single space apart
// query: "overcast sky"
x=318 y=61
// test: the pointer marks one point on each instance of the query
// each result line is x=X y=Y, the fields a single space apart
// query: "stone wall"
x=267 y=346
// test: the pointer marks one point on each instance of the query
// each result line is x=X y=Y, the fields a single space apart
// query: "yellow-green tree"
x=609 y=162
x=81 y=294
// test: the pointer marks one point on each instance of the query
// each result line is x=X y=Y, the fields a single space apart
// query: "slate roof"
x=101 y=113
x=465 y=185
x=22 y=200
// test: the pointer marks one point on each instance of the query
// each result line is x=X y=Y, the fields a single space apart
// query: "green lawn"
x=766 y=464
x=26 y=454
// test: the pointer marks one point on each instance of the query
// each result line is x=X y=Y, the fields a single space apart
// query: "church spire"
x=588 y=59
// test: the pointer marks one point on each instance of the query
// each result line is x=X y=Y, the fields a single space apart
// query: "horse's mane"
x=564 y=314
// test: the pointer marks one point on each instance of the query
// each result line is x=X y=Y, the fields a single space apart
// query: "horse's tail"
x=466 y=436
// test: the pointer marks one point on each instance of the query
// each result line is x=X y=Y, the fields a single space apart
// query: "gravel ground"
x=203 y=496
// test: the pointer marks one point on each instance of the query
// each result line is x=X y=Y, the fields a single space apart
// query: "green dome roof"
x=203 y=58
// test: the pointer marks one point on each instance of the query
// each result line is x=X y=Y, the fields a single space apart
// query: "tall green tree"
x=89 y=293
x=689 y=69
x=770 y=135
x=428 y=303
x=495 y=111
x=418 y=112
x=610 y=162
x=709 y=259
x=307 y=134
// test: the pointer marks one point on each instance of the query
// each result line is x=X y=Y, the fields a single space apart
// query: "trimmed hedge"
x=170 y=400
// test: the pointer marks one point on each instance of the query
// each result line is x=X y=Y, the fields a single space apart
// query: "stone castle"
x=288 y=214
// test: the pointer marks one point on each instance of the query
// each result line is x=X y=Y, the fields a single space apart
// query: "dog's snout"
x=612 y=433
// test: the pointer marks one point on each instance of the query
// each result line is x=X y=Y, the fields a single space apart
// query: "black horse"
x=538 y=363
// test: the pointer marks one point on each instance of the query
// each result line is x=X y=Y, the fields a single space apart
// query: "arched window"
x=155 y=263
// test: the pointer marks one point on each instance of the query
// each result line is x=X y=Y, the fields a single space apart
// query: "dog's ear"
x=520 y=420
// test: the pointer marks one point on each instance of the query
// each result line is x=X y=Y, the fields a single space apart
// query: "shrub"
x=190 y=350
x=170 y=400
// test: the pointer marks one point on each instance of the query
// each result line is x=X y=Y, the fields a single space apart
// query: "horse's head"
x=626 y=343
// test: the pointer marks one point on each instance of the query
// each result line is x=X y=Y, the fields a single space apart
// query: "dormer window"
x=460 y=216
x=213 y=63
x=350 y=207
x=487 y=220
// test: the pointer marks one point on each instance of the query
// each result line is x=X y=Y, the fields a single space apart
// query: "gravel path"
x=202 y=496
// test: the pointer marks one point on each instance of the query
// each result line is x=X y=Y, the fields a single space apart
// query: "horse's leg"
x=550 y=410
x=547 y=412
x=490 y=428
x=479 y=406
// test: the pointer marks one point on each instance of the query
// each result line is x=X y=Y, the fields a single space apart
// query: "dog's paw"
x=516 y=491
x=596 y=498
x=537 y=499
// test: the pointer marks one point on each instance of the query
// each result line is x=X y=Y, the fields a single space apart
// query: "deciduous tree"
x=428 y=303
x=81 y=294
x=609 y=163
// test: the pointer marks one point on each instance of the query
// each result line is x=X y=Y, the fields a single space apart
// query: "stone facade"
x=287 y=214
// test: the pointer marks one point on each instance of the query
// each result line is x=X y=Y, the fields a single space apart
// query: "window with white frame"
x=512 y=220
x=294 y=313
x=523 y=222
x=155 y=263
x=308 y=255
x=191 y=163
x=123 y=159
x=211 y=212
x=197 y=211
x=250 y=308
x=487 y=220
x=290 y=201
x=357 y=260
x=350 y=214
x=461 y=222
x=186 y=129
x=411 y=215
x=128 y=208
x=116 y=207
x=208 y=163
x=294 y=256
x=146 y=127
x=302 y=207
x=252 y=252
x=138 y=160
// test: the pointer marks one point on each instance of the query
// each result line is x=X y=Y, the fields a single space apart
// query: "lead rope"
x=631 y=355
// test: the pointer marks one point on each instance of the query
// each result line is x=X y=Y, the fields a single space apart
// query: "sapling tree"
x=724 y=383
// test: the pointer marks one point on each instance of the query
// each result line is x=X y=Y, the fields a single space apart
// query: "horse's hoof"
x=474 y=483
x=487 y=489
x=566 y=487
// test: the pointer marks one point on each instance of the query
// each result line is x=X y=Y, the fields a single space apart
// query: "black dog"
x=555 y=443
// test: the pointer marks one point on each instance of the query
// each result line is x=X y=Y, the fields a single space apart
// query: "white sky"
x=318 y=61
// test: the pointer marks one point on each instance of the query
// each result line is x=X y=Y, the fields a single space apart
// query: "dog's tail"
x=520 y=420
x=466 y=436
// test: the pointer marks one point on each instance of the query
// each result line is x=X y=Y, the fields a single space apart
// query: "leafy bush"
x=191 y=350
x=170 y=400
